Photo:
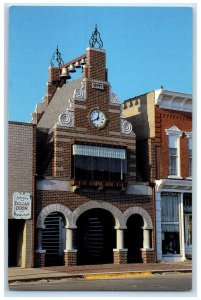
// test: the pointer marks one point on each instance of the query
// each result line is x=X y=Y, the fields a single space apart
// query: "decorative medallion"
x=126 y=127
x=80 y=93
x=66 y=119
x=114 y=98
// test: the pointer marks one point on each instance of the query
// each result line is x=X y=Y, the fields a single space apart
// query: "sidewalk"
x=59 y=272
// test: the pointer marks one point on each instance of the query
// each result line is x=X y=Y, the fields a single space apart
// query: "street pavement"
x=179 y=282
x=95 y=271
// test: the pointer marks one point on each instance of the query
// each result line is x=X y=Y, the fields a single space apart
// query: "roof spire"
x=56 y=56
x=95 y=38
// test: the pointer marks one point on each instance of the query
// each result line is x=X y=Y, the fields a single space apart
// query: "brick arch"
x=66 y=212
x=117 y=214
x=140 y=211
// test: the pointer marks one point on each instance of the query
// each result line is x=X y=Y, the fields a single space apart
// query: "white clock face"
x=97 y=118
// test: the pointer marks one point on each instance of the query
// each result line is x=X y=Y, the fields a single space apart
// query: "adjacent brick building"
x=21 y=174
x=162 y=121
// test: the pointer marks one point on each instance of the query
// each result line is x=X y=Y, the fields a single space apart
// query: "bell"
x=82 y=61
x=65 y=74
x=71 y=68
x=77 y=64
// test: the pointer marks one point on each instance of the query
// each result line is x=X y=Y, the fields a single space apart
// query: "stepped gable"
x=59 y=104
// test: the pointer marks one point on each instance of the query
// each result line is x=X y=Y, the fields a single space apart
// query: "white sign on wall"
x=97 y=85
x=21 y=206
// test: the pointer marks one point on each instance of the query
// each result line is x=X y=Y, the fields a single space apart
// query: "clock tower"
x=95 y=118
x=86 y=170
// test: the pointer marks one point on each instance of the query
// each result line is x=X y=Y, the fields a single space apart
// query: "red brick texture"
x=120 y=257
x=148 y=256
x=70 y=258
x=96 y=65
x=39 y=260
x=165 y=119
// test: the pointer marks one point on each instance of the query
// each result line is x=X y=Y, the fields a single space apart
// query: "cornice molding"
x=173 y=100
x=174 y=184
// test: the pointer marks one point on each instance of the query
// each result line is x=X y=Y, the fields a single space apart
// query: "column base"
x=120 y=256
x=39 y=258
x=70 y=258
x=148 y=256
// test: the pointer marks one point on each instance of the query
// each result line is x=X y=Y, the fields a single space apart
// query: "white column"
x=69 y=239
x=146 y=238
x=120 y=238
x=182 y=240
x=158 y=225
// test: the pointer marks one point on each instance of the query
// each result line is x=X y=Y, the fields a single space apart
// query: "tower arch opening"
x=96 y=237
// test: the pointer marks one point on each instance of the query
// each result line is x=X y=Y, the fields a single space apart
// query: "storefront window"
x=189 y=222
x=170 y=239
x=170 y=223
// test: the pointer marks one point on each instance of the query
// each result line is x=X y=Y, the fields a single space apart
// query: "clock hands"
x=96 y=118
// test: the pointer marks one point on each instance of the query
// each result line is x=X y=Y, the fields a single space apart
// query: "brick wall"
x=146 y=153
x=165 y=119
x=21 y=171
x=96 y=64
x=21 y=160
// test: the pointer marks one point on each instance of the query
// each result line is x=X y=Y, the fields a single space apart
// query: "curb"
x=101 y=275
x=58 y=277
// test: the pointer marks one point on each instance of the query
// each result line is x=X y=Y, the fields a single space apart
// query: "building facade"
x=162 y=121
x=89 y=208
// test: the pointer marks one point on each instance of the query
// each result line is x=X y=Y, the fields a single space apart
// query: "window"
x=170 y=223
x=99 y=163
x=173 y=161
x=189 y=136
x=174 y=135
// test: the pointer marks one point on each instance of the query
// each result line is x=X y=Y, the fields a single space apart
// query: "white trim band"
x=99 y=151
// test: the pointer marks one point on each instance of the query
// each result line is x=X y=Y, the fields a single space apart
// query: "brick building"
x=162 y=122
x=88 y=206
x=21 y=174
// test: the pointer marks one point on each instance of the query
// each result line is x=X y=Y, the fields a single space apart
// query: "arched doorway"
x=53 y=239
x=134 y=238
x=95 y=237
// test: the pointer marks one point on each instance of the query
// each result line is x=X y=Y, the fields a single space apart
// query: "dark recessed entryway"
x=53 y=239
x=134 y=238
x=96 y=237
x=15 y=242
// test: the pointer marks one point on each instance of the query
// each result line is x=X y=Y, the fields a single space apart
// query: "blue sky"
x=146 y=47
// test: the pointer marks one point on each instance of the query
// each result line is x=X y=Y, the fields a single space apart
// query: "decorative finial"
x=57 y=56
x=95 y=38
